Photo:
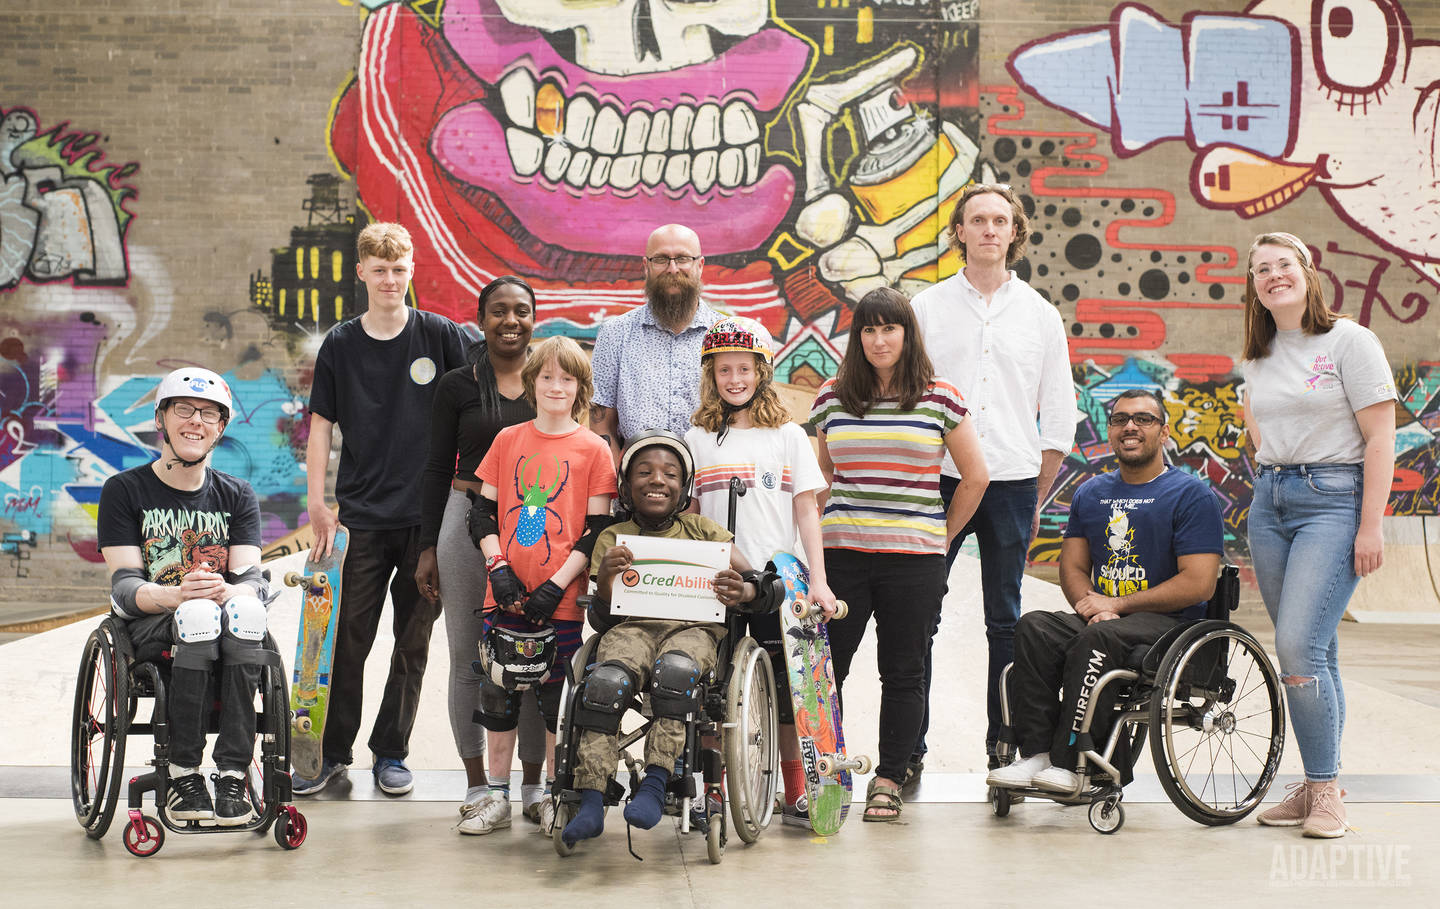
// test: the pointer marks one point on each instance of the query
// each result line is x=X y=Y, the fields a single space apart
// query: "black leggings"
x=903 y=593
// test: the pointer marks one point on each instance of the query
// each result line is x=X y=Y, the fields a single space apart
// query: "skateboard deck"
x=817 y=709
x=314 y=651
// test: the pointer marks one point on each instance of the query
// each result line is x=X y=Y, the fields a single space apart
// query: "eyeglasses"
x=1283 y=267
x=1143 y=420
x=185 y=411
x=667 y=261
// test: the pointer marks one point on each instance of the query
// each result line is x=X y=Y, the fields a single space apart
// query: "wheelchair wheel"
x=1217 y=723
x=143 y=836
x=1000 y=801
x=290 y=828
x=97 y=732
x=564 y=814
x=1106 y=813
x=751 y=741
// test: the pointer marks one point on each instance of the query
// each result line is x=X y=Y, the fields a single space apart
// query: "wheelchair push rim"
x=98 y=729
x=1217 y=723
x=751 y=740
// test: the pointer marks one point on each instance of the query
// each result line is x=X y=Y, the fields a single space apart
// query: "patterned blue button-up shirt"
x=649 y=375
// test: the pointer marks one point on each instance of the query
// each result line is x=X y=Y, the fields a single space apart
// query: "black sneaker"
x=186 y=799
x=232 y=804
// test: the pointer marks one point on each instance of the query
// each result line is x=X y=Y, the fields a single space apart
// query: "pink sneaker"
x=1292 y=811
x=1327 y=812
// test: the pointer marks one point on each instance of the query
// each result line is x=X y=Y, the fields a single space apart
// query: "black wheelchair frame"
x=1184 y=692
x=108 y=691
x=738 y=710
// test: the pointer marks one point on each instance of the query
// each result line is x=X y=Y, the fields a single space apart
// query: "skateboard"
x=314 y=651
x=828 y=788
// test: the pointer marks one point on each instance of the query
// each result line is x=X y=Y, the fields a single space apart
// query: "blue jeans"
x=1002 y=530
x=1303 y=521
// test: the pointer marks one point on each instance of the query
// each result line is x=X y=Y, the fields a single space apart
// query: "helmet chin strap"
x=176 y=459
x=728 y=410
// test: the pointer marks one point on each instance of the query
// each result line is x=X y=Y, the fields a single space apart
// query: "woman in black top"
x=472 y=404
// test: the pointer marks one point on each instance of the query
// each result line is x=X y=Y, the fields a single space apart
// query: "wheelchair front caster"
x=1000 y=801
x=1106 y=815
x=143 y=835
x=715 y=838
x=290 y=828
x=564 y=813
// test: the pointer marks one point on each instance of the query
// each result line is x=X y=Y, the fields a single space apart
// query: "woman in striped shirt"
x=884 y=425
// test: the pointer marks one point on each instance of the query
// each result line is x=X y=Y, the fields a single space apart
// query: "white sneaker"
x=1020 y=774
x=1057 y=779
x=491 y=814
x=547 y=815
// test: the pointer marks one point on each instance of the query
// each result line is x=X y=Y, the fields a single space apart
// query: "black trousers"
x=1057 y=652
x=902 y=593
x=191 y=693
x=378 y=558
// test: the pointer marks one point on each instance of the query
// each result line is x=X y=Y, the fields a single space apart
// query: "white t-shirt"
x=1303 y=395
x=775 y=465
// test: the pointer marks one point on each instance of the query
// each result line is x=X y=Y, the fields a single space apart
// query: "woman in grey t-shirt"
x=1319 y=408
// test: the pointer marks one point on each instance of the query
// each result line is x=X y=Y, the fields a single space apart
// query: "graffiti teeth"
x=659 y=139
x=702 y=171
x=625 y=173
x=732 y=167
x=637 y=129
x=517 y=94
x=527 y=150
x=680 y=122
x=557 y=160
x=579 y=121
x=652 y=171
x=677 y=171
x=739 y=124
x=706 y=131
x=608 y=130
x=600 y=172
x=579 y=169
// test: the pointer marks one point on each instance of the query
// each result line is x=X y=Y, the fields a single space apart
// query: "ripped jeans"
x=1303 y=521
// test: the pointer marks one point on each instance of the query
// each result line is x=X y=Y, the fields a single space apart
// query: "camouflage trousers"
x=637 y=643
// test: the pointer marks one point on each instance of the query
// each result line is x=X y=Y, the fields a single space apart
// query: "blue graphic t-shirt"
x=1137 y=533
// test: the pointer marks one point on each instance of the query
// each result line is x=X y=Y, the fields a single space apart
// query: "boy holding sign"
x=667 y=657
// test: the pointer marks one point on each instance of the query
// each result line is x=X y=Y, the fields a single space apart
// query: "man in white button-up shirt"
x=1003 y=345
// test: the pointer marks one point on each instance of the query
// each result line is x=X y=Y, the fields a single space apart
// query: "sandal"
x=913 y=769
x=881 y=798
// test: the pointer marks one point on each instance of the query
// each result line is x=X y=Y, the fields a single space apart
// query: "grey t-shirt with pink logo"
x=1304 y=394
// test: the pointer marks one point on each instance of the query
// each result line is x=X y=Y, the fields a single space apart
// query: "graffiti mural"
x=813 y=154
x=62 y=206
x=1339 y=95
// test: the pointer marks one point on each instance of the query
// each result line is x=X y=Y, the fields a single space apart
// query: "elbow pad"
x=256 y=579
x=483 y=518
x=594 y=524
x=125 y=584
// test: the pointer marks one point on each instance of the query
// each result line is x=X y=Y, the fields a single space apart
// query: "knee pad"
x=197 y=633
x=245 y=619
x=499 y=709
x=197 y=621
x=675 y=687
x=609 y=690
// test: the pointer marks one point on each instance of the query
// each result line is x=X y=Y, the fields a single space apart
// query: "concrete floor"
x=365 y=849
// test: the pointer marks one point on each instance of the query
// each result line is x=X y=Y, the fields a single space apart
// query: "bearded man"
x=647 y=361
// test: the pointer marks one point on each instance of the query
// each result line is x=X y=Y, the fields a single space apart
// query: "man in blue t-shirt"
x=1141 y=553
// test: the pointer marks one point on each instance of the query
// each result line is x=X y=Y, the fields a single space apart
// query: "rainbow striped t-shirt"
x=885 y=496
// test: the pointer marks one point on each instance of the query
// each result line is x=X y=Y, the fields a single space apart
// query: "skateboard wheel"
x=825 y=765
x=842 y=609
x=862 y=764
x=294 y=579
x=302 y=724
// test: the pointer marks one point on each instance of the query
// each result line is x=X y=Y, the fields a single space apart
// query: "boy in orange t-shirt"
x=547 y=486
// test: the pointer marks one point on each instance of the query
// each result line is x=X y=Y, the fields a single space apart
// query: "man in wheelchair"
x=665 y=657
x=182 y=543
x=1140 y=556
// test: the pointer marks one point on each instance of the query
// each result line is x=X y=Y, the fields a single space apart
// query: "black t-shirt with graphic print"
x=174 y=529
x=379 y=393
